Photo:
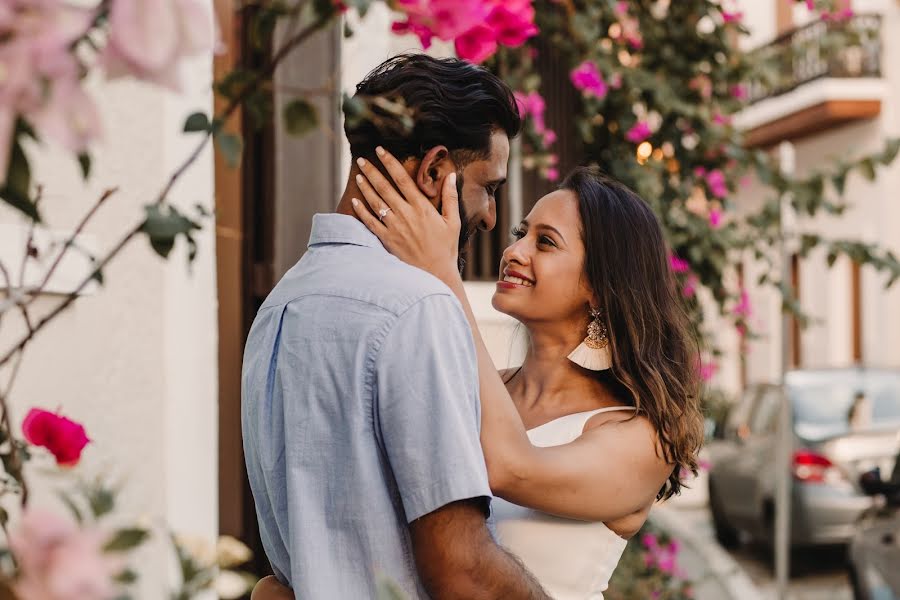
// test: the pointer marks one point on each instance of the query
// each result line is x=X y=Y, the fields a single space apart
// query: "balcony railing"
x=844 y=49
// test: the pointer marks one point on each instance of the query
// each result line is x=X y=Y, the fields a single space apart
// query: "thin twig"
x=21 y=305
x=6 y=423
x=30 y=241
x=70 y=241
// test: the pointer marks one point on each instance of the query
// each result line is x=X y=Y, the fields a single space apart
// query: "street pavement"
x=817 y=574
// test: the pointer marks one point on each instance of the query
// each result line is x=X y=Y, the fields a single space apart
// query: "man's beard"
x=466 y=229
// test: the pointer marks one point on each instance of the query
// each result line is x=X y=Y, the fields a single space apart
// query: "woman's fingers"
x=379 y=182
x=371 y=196
x=405 y=183
x=450 y=201
x=368 y=219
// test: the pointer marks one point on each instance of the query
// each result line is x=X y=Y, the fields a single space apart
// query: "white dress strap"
x=568 y=428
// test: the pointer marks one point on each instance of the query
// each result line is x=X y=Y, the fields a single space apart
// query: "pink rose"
x=638 y=133
x=59 y=561
x=65 y=439
x=587 y=78
x=148 y=39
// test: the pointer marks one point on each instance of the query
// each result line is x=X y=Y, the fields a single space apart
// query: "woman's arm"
x=608 y=472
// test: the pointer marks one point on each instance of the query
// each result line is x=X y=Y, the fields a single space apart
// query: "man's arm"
x=457 y=557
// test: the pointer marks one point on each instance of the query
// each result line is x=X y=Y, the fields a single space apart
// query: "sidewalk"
x=717 y=575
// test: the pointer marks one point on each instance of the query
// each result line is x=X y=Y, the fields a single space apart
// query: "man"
x=360 y=403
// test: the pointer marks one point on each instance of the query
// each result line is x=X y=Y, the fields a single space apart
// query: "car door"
x=729 y=463
x=753 y=466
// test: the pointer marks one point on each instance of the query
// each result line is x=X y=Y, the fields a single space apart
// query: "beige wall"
x=136 y=361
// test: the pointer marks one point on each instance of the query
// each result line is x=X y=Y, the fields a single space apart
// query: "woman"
x=602 y=417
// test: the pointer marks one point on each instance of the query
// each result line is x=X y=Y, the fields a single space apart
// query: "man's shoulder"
x=361 y=276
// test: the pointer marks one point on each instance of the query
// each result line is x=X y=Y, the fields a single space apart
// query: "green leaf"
x=101 y=501
x=164 y=226
x=300 y=117
x=84 y=161
x=4 y=516
x=892 y=147
x=233 y=84
x=867 y=167
x=832 y=258
x=20 y=202
x=231 y=146
x=197 y=122
x=70 y=504
x=126 y=577
x=126 y=539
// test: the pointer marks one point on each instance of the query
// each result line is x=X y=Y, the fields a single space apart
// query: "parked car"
x=874 y=554
x=844 y=422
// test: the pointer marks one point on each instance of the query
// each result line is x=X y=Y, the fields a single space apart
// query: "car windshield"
x=829 y=404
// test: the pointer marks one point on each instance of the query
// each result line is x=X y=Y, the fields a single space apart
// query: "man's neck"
x=351 y=190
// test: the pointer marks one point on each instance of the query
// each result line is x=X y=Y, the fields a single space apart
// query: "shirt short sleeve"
x=427 y=407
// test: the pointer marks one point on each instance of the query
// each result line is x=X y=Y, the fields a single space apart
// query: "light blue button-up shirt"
x=360 y=414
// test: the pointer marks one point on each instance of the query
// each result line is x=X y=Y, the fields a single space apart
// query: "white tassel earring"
x=593 y=353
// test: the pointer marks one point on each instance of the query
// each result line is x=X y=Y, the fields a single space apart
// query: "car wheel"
x=727 y=535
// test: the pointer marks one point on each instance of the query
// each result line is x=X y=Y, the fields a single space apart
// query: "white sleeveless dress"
x=572 y=559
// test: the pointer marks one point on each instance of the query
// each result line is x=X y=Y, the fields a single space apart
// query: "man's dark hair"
x=453 y=103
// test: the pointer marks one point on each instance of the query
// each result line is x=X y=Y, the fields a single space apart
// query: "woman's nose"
x=516 y=253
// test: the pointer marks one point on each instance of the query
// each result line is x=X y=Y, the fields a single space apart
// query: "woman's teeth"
x=516 y=280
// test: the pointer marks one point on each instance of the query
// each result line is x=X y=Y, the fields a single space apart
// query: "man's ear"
x=435 y=165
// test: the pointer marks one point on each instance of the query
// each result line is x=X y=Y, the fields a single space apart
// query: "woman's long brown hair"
x=655 y=356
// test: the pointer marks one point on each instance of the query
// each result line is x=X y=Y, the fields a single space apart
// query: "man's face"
x=478 y=183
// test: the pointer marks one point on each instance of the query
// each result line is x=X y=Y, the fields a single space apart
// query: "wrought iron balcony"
x=816 y=77
x=843 y=49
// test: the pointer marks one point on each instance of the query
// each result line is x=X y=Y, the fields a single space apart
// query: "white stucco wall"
x=136 y=361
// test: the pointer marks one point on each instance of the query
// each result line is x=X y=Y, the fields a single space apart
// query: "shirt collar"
x=334 y=228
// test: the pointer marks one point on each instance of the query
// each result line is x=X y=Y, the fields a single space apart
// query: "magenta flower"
x=638 y=133
x=811 y=4
x=513 y=22
x=715 y=218
x=838 y=15
x=743 y=308
x=690 y=286
x=739 y=92
x=65 y=439
x=532 y=105
x=587 y=78
x=477 y=44
x=715 y=179
x=732 y=17
x=549 y=137
x=720 y=119
x=708 y=370
x=552 y=174
x=679 y=265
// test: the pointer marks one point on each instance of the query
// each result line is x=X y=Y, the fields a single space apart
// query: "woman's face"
x=542 y=271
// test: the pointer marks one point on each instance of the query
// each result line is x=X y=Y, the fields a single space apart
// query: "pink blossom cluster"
x=639 y=132
x=679 y=265
x=477 y=27
x=532 y=105
x=661 y=555
x=42 y=71
x=59 y=561
x=587 y=78
x=715 y=181
x=732 y=17
x=743 y=309
x=840 y=14
x=631 y=28
x=708 y=370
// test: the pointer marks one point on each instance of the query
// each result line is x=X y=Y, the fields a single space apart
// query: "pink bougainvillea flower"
x=732 y=17
x=743 y=308
x=64 y=438
x=513 y=22
x=532 y=105
x=715 y=218
x=424 y=34
x=549 y=137
x=587 y=78
x=148 y=39
x=69 y=116
x=679 y=265
x=708 y=370
x=59 y=561
x=720 y=119
x=811 y=4
x=477 y=44
x=690 y=286
x=552 y=174
x=639 y=132
x=739 y=92
x=715 y=179
x=844 y=14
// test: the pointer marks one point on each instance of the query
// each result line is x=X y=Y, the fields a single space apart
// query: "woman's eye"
x=517 y=233
x=546 y=240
